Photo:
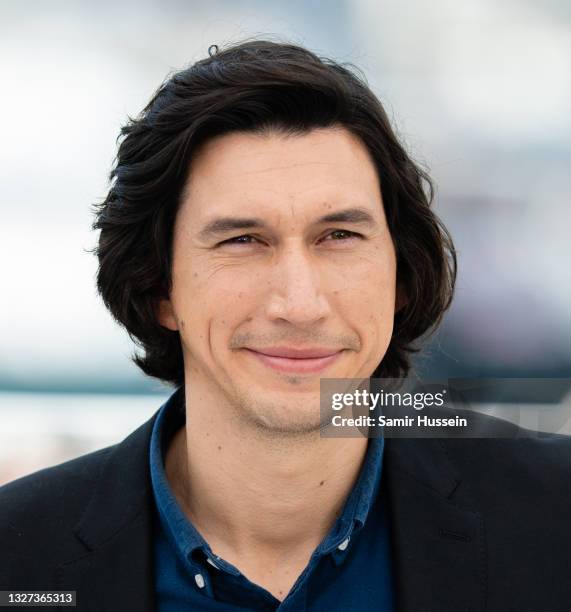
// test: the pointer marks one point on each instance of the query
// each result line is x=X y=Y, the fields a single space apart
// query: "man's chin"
x=279 y=412
x=287 y=419
x=287 y=429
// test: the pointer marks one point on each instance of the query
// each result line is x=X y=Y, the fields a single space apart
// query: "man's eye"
x=244 y=239
x=338 y=235
x=335 y=236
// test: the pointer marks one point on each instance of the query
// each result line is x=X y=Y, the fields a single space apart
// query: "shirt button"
x=344 y=544
x=209 y=560
x=199 y=579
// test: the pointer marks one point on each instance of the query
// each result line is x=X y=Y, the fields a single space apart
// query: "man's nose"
x=296 y=288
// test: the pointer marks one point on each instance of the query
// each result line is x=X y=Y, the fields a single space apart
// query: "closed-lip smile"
x=307 y=360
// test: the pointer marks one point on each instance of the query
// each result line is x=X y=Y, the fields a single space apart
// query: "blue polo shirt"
x=349 y=570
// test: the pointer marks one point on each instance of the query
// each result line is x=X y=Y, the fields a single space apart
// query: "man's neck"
x=260 y=502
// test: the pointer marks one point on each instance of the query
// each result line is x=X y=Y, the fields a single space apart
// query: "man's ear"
x=166 y=316
x=401 y=299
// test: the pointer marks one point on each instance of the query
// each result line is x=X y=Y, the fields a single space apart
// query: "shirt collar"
x=182 y=534
x=180 y=531
x=357 y=506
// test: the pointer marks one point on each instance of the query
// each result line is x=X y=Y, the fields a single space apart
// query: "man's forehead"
x=304 y=161
x=231 y=179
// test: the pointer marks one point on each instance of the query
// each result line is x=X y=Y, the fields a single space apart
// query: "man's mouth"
x=309 y=360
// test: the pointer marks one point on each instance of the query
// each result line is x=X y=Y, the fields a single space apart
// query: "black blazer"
x=476 y=525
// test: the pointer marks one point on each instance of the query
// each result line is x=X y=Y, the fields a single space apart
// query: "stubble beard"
x=298 y=418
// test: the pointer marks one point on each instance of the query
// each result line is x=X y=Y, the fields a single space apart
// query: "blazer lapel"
x=117 y=571
x=438 y=541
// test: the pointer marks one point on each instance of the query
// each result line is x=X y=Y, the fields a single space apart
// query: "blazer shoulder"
x=538 y=450
x=60 y=514
x=41 y=504
x=522 y=466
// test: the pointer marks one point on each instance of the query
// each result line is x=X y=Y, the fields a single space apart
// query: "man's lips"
x=289 y=359
x=296 y=353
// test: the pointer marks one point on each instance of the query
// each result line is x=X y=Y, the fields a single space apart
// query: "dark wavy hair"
x=256 y=86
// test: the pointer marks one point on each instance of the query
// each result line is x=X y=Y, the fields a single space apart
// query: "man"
x=265 y=229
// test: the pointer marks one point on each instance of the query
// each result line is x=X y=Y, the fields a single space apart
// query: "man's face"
x=280 y=244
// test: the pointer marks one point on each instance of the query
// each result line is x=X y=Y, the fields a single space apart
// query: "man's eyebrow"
x=223 y=225
x=349 y=215
x=228 y=224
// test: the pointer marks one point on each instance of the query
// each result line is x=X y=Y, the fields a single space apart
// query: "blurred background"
x=479 y=90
